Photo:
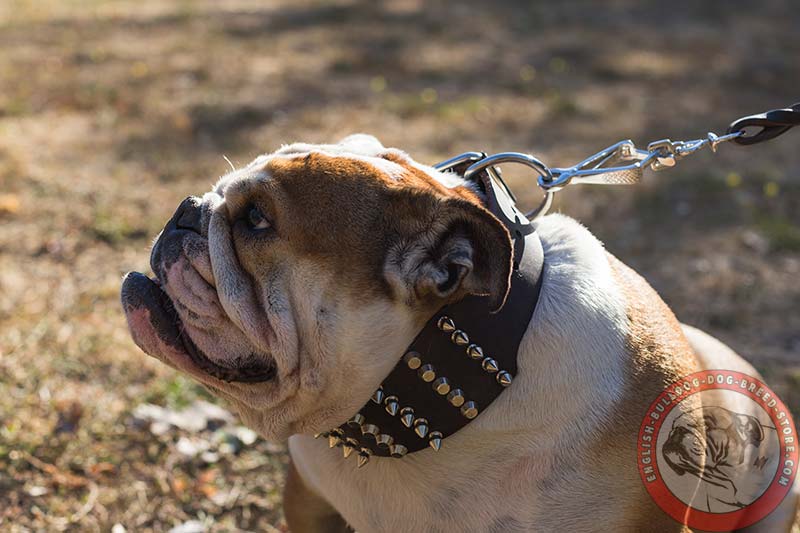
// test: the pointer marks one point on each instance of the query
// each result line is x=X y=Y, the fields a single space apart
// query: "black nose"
x=189 y=215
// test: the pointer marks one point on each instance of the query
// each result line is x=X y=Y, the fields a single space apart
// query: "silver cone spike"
x=334 y=441
x=446 y=324
x=490 y=365
x=392 y=405
x=378 y=396
x=349 y=447
x=504 y=378
x=475 y=352
x=459 y=338
x=407 y=416
x=421 y=427
x=435 y=440
x=363 y=456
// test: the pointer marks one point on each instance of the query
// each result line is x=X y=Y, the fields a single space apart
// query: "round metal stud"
x=490 y=365
x=392 y=405
x=456 y=397
x=459 y=338
x=421 y=427
x=441 y=385
x=413 y=360
x=469 y=409
x=475 y=352
x=357 y=420
x=384 y=441
x=407 y=416
x=504 y=378
x=398 y=450
x=446 y=324
x=427 y=373
x=370 y=430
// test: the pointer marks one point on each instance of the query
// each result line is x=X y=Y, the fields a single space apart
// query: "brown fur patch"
x=347 y=214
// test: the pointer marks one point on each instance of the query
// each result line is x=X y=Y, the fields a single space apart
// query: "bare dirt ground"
x=112 y=112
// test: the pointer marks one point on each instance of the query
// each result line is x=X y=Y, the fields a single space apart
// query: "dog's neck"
x=459 y=363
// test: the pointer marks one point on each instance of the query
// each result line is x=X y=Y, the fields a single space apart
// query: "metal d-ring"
x=523 y=159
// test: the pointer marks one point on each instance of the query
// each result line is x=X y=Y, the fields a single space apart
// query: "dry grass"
x=111 y=112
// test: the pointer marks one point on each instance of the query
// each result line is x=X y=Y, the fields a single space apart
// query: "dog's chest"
x=427 y=493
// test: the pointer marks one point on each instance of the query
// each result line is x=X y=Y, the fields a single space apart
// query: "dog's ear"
x=464 y=250
x=749 y=429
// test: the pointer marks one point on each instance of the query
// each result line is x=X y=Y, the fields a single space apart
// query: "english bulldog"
x=293 y=288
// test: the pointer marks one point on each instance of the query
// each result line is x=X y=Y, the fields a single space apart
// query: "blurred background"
x=111 y=112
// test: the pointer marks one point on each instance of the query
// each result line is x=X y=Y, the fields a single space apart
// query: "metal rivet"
x=378 y=396
x=475 y=352
x=456 y=397
x=370 y=430
x=427 y=373
x=363 y=456
x=392 y=405
x=413 y=360
x=357 y=420
x=490 y=365
x=469 y=410
x=435 y=440
x=398 y=450
x=421 y=427
x=459 y=338
x=446 y=324
x=503 y=378
x=441 y=385
x=348 y=447
x=384 y=440
x=407 y=416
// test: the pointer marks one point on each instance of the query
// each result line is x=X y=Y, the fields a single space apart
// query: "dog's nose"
x=189 y=215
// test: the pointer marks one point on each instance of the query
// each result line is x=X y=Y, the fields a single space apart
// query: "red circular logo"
x=718 y=450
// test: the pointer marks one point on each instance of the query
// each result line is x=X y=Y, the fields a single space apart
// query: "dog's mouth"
x=158 y=331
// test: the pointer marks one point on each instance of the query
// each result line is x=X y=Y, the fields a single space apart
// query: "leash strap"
x=772 y=123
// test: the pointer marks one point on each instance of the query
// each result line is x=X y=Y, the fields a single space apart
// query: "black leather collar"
x=459 y=363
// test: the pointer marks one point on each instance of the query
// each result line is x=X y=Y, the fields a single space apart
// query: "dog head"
x=292 y=288
x=710 y=438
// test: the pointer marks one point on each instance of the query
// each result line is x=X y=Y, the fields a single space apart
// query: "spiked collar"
x=459 y=363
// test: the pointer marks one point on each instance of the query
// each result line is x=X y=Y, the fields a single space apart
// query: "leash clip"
x=621 y=163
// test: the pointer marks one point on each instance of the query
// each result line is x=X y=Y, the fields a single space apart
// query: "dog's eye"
x=257 y=220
